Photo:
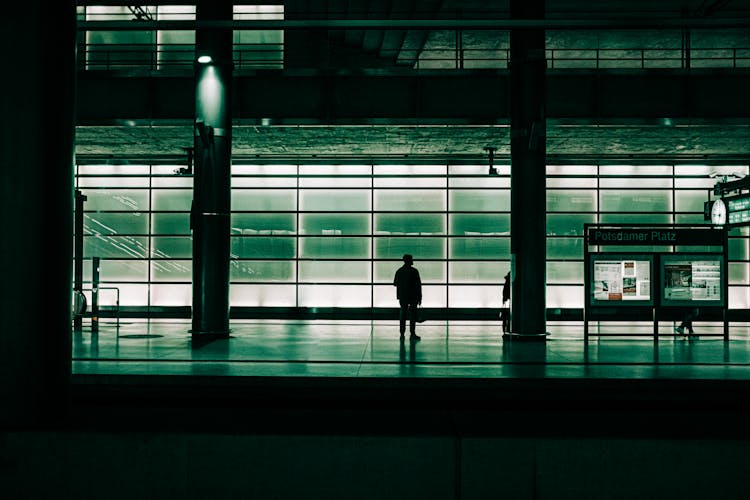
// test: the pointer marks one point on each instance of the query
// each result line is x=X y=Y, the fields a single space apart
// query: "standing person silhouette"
x=505 y=307
x=687 y=321
x=409 y=294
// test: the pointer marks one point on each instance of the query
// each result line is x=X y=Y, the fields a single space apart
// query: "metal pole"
x=80 y=198
x=95 y=294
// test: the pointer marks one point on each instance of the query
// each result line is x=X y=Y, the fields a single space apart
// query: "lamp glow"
x=204 y=59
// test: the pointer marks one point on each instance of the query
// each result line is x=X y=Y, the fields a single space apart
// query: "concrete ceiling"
x=450 y=141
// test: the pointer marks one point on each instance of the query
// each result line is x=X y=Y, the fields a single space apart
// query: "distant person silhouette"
x=409 y=294
x=505 y=307
x=687 y=321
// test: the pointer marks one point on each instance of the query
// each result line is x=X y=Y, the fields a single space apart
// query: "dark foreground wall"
x=147 y=465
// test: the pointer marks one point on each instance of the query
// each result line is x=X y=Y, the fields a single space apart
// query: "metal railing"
x=271 y=56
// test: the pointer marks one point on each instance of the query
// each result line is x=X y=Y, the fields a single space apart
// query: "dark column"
x=213 y=157
x=80 y=199
x=527 y=182
x=36 y=210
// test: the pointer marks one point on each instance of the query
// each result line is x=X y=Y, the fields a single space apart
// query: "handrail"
x=101 y=56
x=117 y=299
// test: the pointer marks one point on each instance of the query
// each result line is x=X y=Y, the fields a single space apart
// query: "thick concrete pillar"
x=212 y=172
x=527 y=182
x=36 y=210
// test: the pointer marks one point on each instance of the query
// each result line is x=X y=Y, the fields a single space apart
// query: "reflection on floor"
x=327 y=348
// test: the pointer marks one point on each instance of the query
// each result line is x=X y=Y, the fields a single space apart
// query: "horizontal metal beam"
x=660 y=23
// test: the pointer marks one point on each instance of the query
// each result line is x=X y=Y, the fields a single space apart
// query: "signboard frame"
x=622 y=257
x=666 y=258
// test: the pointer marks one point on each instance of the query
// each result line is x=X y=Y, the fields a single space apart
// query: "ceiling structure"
x=168 y=139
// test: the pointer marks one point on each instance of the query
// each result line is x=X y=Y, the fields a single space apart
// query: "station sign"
x=655 y=236
x=738 y=209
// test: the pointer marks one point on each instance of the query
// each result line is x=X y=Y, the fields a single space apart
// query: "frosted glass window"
x=565 y=170
x=263 y=182
x=408 y=200
x=117 y=270
x=432 y=296
x=170 y=223
x=420 y=247
x=475 y=296
x=571 y=201
x=429 y=271
x=690 y=201
x=689 y=218
x=471 y=248
x=635 y=201
x=116 y=199
x=397 y=224
x=571 y=182
x=635 y=182
x=335 y=171
x=254 y=270
x=112 y=170
x=738 y=249
x=478 y=272
x=353 y=200
x=705 y=184
x=172 y=199
x=565 y=248
x=568 y=224
x=112 y=182
x=262 y=295
x=172 y=182
x=565 y=272
x=479 y=200
x=269 y=170
x=115 y=223
x=171 y=270
x=410 y=170
x=259 y=48
x=333 y=224
x=631 y=170
x=263 y=247
x=335 y=296
x=337 y=182
x=739 y=297
x=738 y=273
x=565 y=297
x=131 y=294
x=171 y=295
x=264 y=200
x=175 y=247
x=335 y=271
x=117 y=247
x=476 y=224
x=643 y=218
x=177 y=46
x=108 y=295
x=711 y=170
x=494 y=182
x=502 y=170
x=331 y=247
x=283 y=223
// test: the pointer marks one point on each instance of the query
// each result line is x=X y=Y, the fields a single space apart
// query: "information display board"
x=621 y=279
x=738 y=209
x=692 y=280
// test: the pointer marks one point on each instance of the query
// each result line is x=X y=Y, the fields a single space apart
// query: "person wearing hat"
x=505 y=307
x=409 y=294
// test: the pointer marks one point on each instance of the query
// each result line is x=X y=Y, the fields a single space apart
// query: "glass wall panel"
x=341 y=271
x=395 y=247
x=172 y=270
x=480 y=224
x=565 y=297
x=495 y=182
x=264 y=200
x=116 y=199
x=738 y=273
x=476 y=247
x=178 y=200
x=478 y=272
x=112 y=182
x=738 y=249
x=174 y=247
x=171 y=295
x=635 y=201
x=130 y=223
x=739 y=297
x=170 y=223
x=260 y=271
x=272 y=223
x=254 y=295
x=117 y=270
x=475 y=296
x=115 y=247
x=565 y=248
x=408 y=200
x=689 y=201
x=432 y=296
x=635 y=182
x=330 y=247
x=335 y=224
x=263 y=247
x=335 y=296
x=172 y=181
x=643 y=218
x=410 y=224
x=331 y=200
x=568 y=224
x=565 y=272
x=479 y=200
x=570 y=200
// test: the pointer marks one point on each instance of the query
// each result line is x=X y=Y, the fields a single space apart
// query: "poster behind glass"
x=692 y=280
x=621 y=280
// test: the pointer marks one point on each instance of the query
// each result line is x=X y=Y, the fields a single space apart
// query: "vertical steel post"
x=80 y=198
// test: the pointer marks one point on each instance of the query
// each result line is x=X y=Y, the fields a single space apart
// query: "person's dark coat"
x=408 y=284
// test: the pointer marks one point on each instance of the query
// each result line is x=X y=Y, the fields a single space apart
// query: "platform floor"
x=371 y=349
